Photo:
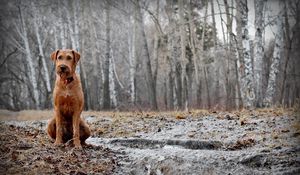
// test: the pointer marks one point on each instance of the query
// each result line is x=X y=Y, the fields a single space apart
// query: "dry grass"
x=26 y=115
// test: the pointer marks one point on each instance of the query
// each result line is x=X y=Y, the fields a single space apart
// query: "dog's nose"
x=63 y=67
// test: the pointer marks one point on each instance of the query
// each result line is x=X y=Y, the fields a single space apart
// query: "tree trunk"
x=193 y=42
x=62 y=30
x=288 y=44
x=32 y=73
x=41 y=51
x=246 y=78
x=83 y=79
x=238 y=85
x=221 y=16
x=183 y=54
x=229 y=52
x=216 y=60
x=112 y=86
x=226 y=69
x=239 y=63
x=171 y=91
x=106 y=88
x=207 y=87
x=155 y=49
x=229 y=25
x=96 y=63
x=98 y=68
x=132 y=60
x=76 y=6
x=70 y=26
x=205 y=67
x=165 y=91
x=56 y=45
x=268 y=100
x=258 y=50
x=213 y=24
x=149 y=76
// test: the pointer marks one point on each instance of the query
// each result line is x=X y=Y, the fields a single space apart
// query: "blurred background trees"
x=153 y=54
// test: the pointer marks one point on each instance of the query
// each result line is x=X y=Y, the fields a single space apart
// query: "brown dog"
x=68 y=101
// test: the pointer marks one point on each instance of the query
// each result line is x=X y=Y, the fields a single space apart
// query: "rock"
x=257 y=160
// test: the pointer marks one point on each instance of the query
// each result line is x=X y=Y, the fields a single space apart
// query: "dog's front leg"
x=59 y=129
x=76 y=133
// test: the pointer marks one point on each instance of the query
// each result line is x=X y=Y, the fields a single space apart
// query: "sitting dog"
x=68 y=101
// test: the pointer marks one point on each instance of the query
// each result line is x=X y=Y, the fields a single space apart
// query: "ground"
x=264 y=141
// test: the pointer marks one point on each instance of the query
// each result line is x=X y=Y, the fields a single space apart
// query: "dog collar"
x=69 y=80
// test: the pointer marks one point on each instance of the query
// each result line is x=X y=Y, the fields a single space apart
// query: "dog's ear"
x=54 y=55
x=76 y=56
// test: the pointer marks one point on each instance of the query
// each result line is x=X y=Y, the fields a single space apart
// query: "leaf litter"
x=28 y=150
x=263 y=141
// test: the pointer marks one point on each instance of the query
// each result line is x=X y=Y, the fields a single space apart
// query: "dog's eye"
x=69 y=58
x=59 y=58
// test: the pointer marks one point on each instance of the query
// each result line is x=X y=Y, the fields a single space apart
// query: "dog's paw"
x=58 y=143
x=76 y=143
x=78 y=147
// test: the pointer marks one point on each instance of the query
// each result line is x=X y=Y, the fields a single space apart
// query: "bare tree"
x=106 y=88
x=258 y=50
x=31 y=64
x=147 y=61
x=193 y=42
x=143 y=54
x=36 y=22
x=132 y=56
x=183 y=54
x=112 y=85
x=247 y=74
x=271 y=88
x=287 y=52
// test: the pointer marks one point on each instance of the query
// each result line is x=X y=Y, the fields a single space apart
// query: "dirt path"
x=198 y=142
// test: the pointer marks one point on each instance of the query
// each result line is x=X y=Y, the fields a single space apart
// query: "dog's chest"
x=66 y=102
x=66 y=96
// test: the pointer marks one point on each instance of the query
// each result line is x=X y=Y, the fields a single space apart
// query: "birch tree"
x=247 y=75
x=112 y=86
x=258 y=50
x=131 y=56
x=271 y=88
x=162 y=52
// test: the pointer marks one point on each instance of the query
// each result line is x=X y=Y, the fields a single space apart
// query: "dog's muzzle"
x=63 y=69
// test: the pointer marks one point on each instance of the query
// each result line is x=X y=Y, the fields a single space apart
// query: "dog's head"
x=65 y=62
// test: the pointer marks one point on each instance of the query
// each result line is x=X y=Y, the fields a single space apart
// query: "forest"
x=153 y=54
x=170 y=87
